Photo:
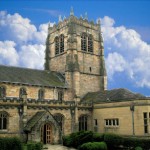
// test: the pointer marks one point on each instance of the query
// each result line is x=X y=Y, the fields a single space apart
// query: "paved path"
x=56 y=147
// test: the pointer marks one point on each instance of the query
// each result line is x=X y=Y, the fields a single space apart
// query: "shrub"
x=138 y=148
x=78 y=138
x=10 y=144
x=98 y=137
x=93 y=146
x=34 y=146
x=67 y=140
x=137 y=142
x=113 y=140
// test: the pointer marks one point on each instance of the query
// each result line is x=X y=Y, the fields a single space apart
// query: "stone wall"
x=12 y=90
x=121 y=111
x=89 y=83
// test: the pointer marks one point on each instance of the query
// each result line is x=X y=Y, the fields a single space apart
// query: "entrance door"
x=46 y=134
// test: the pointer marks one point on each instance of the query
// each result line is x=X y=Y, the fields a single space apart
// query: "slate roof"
x=31 y=123
x=31 y=77
x=114 y=95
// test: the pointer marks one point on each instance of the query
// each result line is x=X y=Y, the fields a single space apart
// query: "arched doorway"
x=46 y=133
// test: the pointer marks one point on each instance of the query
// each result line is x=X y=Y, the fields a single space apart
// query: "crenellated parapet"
x=14 y=102
x=74 y=20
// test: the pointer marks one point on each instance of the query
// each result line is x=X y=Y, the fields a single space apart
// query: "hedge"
x=78 y=138
x=34 y=146
x=10 y=144
x=137 y=142
x=93 y=146
x=138 y=148
x=113 y=141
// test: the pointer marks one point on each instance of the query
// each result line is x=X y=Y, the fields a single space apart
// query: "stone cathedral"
x=70 y=94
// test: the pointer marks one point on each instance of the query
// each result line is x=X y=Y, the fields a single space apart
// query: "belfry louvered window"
x=90 y=43
x=2 y=92
x=87 y=42
x=61 y=43
x=83 y=42
x=56 y=45
x=3 y=120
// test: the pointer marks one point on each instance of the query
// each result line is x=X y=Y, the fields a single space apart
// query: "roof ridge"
x=19 y=67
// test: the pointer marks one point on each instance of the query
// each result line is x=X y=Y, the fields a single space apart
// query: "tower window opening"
x=61 y=43
x=83 y=42
x=90 y=43
x=56 y=45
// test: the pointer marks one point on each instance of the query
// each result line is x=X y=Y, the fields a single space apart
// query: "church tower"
x=75 y=48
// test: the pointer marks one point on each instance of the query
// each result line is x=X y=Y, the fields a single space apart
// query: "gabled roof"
x=31 y=77
x=31 y=123
x=114 y=95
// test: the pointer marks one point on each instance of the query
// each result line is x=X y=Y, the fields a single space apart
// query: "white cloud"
x=25 y=45
x=16 y=27
x=115 y=63
x=32 y=56
x=8 y=53
x=127 y=53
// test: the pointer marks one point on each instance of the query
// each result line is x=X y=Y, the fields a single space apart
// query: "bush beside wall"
x=34 y=146
x=10 y=144
x=113 y=141
x=93 y=146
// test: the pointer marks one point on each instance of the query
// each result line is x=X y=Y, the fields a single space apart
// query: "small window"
x=2 y=92
x=83 y=42
x=90 y=69
x=3 y=120
x=90 y=43
x=61 y=43
x=145 y=116
x=22 y=92
x=60 y=96
x=106 y=122
x=111 y=122
x=95 y=122
x=41 y=94
x=56 y=45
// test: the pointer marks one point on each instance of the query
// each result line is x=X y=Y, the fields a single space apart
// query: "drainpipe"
x=132 y=110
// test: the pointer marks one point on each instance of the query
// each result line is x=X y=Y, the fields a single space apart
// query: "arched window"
x=41 y=94
x=2 y=92
x=60 y=120
x=22 y=92
x=56 y=45
x=90 y=43
x=83 y=42
x=3 y=120
x=83 y=123
x=60 y=95
x=61 y=43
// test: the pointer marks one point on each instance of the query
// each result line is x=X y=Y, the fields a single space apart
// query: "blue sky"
x=125 y=27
